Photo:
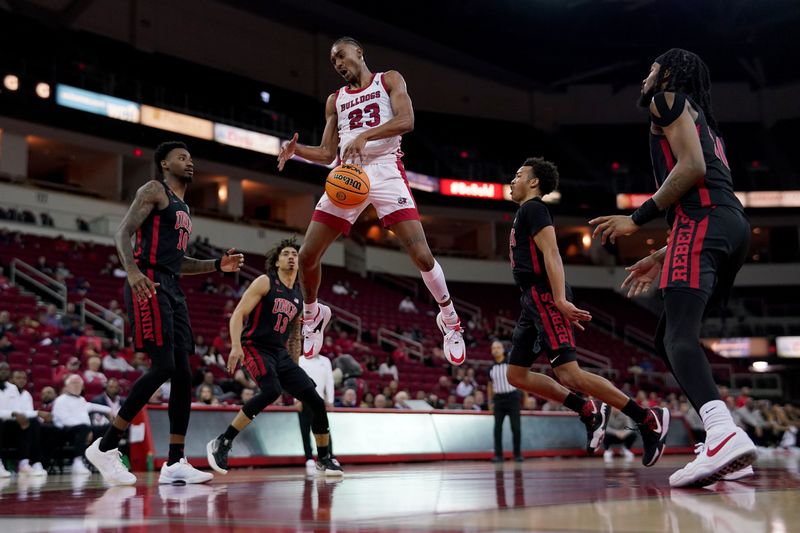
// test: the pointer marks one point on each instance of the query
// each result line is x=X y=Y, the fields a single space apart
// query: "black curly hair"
x=684 y=71
x=546 y=171
x=163 y=150
x=274 y=253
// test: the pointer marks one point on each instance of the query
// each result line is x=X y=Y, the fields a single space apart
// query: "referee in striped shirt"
x=506 y=400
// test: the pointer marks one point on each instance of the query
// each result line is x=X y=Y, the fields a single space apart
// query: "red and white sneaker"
x=721 y=454
x=454 y=349
x=314 y=331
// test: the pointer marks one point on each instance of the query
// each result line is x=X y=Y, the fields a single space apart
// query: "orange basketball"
x=347 y=186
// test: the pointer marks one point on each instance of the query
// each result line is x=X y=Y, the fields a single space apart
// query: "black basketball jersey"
x=268 y=324
x=527 y=261
x=716 y=187
x=162 y=238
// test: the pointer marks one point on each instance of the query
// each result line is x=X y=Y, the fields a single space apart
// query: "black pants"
x=76 y=437
x=507 y=404
x=27 y=441
x=611 y=440
x=306 y=416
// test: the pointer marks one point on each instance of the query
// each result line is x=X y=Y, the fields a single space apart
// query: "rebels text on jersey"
x=268 y=325
x=162 y=238
x=358 y=111
x=527 y=261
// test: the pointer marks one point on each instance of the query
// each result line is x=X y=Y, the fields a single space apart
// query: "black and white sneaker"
x=329 y=467
x=595 y=417
x=217 y=452
x=654 y=435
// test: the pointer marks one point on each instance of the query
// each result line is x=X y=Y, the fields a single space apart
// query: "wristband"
x=646 y=212
x=218 y=264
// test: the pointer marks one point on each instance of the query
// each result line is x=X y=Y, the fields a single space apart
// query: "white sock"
x=716 y=417
x=437 y=285
x=23 y=463
x=310 y=310
x=77 y=460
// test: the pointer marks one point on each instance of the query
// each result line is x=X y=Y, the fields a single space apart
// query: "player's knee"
x=307 y=258
x=516 y=375
x=570 y=378
x=422 y=258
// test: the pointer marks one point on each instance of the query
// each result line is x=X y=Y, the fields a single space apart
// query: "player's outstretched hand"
x=613 y=226
x=573 y=314
x=231 y=261
x=287 y=151
x=142 y=287
x=354 y=152
x=641 y=276
x=235 y=357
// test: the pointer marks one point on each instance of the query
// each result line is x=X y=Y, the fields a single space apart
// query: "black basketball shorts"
x=277 y=367
x=542 y=328
x=160 y=325
x=705 y=250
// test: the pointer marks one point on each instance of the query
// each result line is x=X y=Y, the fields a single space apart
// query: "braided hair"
x=348 y=40
x=685 y=72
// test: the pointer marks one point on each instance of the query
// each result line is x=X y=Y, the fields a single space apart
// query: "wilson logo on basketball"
x=347 y=180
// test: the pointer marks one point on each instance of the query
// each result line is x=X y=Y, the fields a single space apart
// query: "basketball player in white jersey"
x=364 y=122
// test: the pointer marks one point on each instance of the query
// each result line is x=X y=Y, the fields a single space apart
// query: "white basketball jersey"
x=360 y=110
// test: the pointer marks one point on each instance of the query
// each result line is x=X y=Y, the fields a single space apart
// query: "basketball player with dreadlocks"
x=548 y=315
x=160 y=220
x=269 y=347
x=364 y=123
x=707 y=246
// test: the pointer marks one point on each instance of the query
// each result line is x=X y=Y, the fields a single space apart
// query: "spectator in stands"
x=19 y=426
x=61 y=372
x=74 y=329
x=114 y=314
x=469 y=404
x=619 y=432
x=222 y=342
x=200 y=346
x=115 y=361
x=6 y=346
x=379 y=402
x=88 y=340
x=208 y=286
x=466 y=387
x=206 y=396
x=694 y=421
x=208 y=381
x=227 y=311
x=445 y=387
x=93 y=373
x=213 y=357
x=62 y=270
x=347 y=367
x=452 y=402
x=50 y=317
x=6 y=324
x=480 y=401
x=110 y=397
x=434 y=401
x=370 y=363
x=368 y=401
x=46 y=398
x=388 y=368
x=407 y=306
x=242 y=288
x=724 y=392
x=744 y=396
x=71 y=414
x=754 y=423
x=400 y=400
x=246 y=395
x=338 y=288
x=82 y=287
x=348 y=399
x=43 y=266
x=140 y=362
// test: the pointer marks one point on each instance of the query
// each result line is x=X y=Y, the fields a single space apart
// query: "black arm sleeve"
x=668 y=115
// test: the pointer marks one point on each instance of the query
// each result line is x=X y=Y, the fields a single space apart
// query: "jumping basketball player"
x=708 y=244
x=545 y=324
x=364 y=122
x=269 y=347
x=157 y=308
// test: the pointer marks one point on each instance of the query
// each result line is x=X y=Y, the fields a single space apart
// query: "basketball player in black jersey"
x=159 y=220
x=707 y=246
x=268 y=345
x=545 y=324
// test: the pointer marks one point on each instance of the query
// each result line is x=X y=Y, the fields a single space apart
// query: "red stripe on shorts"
x=137 y=320
x=697 y=250
x=548 y=327
x=332 y=221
